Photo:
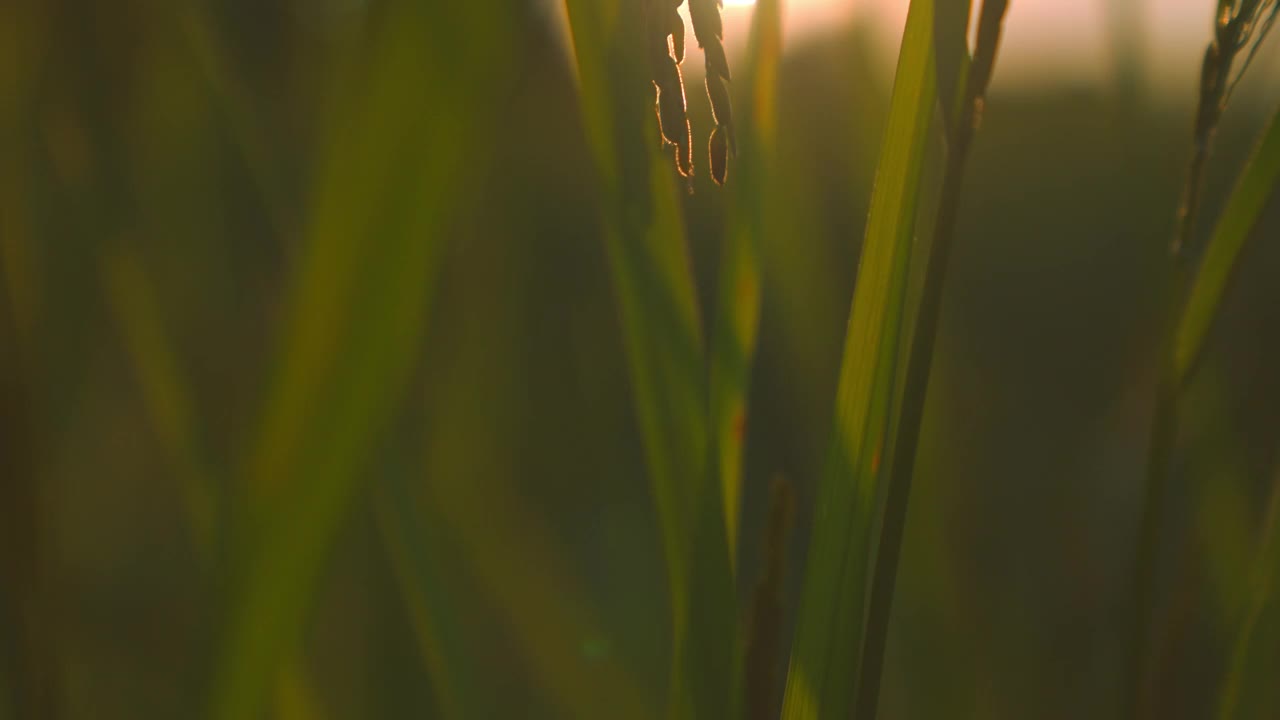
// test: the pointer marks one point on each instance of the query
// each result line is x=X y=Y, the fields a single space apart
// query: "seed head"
x=664 y=34
x=709 y=31
x=665 y=48
x=719 y=152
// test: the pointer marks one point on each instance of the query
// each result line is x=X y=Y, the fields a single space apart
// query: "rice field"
x=614 y=359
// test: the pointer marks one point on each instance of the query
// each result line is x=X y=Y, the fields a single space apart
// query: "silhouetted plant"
x=664 y=46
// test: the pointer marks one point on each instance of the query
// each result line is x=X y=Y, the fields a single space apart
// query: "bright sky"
x=1044 y=40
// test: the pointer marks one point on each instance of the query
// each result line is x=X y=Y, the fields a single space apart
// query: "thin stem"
x=1232 y=34
x=920 y=361
x=1164 y=432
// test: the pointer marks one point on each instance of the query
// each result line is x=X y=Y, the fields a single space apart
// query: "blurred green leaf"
x=738 y=305
x=393 y=172
x=231 y=100
x=478 y=541
x=522 y=572
x=1253 y=190
x=826 y=654
x=649 y=266
x=1260 y=590
x=413 y=547
x=295 y=695
x=136 y=308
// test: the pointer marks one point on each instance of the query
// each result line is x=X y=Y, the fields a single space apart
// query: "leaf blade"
x=1261 y=589
x=830 y=629
x=737 y=318
x=653 y=287
x=357 y=310
x=1245 y=206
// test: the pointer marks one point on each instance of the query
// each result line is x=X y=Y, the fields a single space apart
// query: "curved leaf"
x=1255 y=187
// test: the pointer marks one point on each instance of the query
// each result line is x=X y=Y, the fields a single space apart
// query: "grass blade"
x=973 y=79
x=1260 y=591
x=136 y=308
x=738 y=306
x=1181 y=339
x=391 y=175
x=1249 y=198
x=539 y=599
x=829 y=635
x=649 y=266
x=411 y=548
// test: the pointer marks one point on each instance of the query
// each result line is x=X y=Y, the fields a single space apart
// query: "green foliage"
x=649 y=267
x=414 y=548
x=1261 y=589
x=353 y=365
x=827 y=652
x=355 y=315
x=1254 y=188
x=1239 y=29
x=737 y=311
x=136 y=309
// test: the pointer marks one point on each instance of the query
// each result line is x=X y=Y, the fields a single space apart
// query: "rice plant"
x=635 y=359
x=1194 y=289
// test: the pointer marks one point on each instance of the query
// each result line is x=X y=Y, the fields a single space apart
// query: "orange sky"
x=1048 y=40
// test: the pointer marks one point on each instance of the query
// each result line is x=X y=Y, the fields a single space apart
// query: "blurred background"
x=353 y=247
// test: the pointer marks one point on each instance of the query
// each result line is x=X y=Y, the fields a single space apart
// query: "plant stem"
x=1215 y=83
x=1164 y=432
x=920 y=360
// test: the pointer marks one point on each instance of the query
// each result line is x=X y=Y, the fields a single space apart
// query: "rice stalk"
x=1244 y=207
x=1240 y=26
x=975 y=78
x=827 y=655
x=661 y=333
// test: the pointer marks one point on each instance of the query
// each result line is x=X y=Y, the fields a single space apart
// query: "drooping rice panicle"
x=708 y=28
x=719 y=151
x=664 y=35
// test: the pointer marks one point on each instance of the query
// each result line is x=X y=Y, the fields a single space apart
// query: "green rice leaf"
x=829 y=635
x=395 y=162
x=739 y=293
x=1255 y=187
x=661 y=332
